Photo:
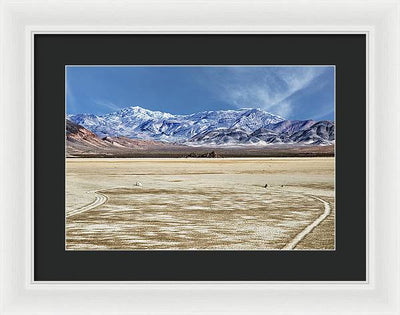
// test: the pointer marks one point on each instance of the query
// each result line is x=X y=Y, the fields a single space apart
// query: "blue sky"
x=300 y=92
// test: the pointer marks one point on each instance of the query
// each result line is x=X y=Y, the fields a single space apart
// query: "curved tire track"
x=299 y=237
x=99 y=200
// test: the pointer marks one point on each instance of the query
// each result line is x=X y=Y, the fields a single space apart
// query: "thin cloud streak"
x=268 y=88
x=70 y=99
x=106 y=104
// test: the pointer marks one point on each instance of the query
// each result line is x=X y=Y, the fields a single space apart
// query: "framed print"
x=176 y=157
x=232 y=158
x=209 y=183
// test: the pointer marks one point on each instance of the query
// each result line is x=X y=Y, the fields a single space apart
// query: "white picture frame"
x=379 y=20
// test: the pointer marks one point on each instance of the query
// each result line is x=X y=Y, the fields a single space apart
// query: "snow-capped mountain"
x=82 y=142
x=307 y=132
x=137 y=122
x=246 y=126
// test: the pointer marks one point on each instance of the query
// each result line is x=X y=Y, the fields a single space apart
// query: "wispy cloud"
x=70 y=100
x=269 y=88
x=106 y=104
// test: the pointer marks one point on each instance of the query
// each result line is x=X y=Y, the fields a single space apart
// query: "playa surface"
x=200 y=204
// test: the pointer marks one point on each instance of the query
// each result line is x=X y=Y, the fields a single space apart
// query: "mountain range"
x=246 y=126
x=82 y=142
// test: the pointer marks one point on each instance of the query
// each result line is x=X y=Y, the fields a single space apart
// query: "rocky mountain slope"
x=80 y=140
x=247 y=126
x=137 y=122
x=306 y=133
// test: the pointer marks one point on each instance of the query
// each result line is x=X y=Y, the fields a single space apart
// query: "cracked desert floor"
x=200 y=204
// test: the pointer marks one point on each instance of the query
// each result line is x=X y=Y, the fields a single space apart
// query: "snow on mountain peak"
x=141 y=123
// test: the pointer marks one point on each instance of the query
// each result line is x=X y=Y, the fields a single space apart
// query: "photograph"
x=200 y=157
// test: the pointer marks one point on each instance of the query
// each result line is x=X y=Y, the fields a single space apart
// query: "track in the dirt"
x=99 y=200
x=327 y=210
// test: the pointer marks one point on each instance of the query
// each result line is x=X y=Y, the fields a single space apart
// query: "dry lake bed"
x=200 y=204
